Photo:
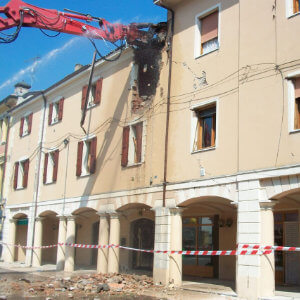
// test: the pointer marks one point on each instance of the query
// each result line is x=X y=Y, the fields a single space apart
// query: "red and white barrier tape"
x=245 y=249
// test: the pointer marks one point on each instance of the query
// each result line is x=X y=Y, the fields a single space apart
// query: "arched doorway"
x=287 y=233
x=49 y=236
x=21 y=237
x=209 y=223
x=87 y=231
x=142 y=238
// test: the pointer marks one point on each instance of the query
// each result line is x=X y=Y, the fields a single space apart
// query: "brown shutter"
x=296 y=6
x=139 y=137
x=125 y=143
x=79 y=158
x=297 y=87
x=25 y=176
x=60 y=108
x=16 y=175
x=83 y=96
x=98 y=91
x=30 y=122
x=93 y=159
x=209 y=27
x=45 y=168
x=21 y=126
x=55 y=169
x=50 y=113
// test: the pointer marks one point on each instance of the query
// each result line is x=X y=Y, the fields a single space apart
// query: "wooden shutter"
x=79 y=158
x=45 y=168
x=98 y=92
x=93 y=158
x=21 y=126
x=55 y=168
x=26 y=169
x=30 y=122
x=296 y=82
x=125 y=144
x=50 y=113
x=16 y=175
x=209 y=27
x=60 y=108
x=296 y=6
x=83 y=96
x=139 y=138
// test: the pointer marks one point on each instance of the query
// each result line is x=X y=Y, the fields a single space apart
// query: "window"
x=21 y=174
x=86 y=157
x=3 y=130
x=94 y=95
x=296 y=83
x=204 y=127
x=132 y=144
x=55 y=111
x=292 y=7
x=207 y=32
x=25 y=125
x=50 y=167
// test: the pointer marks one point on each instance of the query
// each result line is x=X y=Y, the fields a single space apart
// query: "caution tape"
x=244 y=249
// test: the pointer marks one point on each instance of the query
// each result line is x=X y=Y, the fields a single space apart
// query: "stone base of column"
x=161 y=262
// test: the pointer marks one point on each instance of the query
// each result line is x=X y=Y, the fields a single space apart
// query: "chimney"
x=77 y=67
x=21 y=88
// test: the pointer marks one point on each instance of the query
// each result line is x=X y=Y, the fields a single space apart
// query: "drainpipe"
x=170 y=46
x=37 y=178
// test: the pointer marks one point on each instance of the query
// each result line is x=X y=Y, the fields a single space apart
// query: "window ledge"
x=294 y=15
x=201 y=55
x=19 y=188
x=295 y=131
x=53 y=123
x=131 y=165
x=203 y=150
x=25 y=134
x=49 y=183
x=84 y=175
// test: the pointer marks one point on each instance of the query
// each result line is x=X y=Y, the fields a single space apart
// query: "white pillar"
x=102 y=261
x=267 y=263
x=62 y=232
x=38 y=236
x=161 y=261
x=10 y=249
x=176 y=244
x=114 y=238
x=70 y=251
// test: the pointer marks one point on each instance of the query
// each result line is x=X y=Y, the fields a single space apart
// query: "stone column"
x=102 y=260
x=267 y=262
x=10 y=249
x=114 y=238
x=70 y=251
x=62 y=232
x=176 y=244
x=161 y=242
x=38 y=235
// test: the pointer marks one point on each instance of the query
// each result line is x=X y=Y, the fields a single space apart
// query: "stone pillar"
x=70 y=251
x=267 y=262
x=162 y=243
x=62 y=232
x=102 y=260
x=114 y=238
x=176 y=244
x=10 y=249
x=38 y=235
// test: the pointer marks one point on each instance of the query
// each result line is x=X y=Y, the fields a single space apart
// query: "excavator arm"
x=20 y=14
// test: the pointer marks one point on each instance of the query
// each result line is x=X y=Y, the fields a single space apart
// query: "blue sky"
x=42 y=61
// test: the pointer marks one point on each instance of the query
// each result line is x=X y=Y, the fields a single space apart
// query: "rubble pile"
x=90 y=285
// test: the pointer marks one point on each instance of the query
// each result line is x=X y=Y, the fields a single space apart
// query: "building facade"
x=193 y=145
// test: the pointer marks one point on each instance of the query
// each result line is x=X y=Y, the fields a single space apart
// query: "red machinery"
x=20 y=14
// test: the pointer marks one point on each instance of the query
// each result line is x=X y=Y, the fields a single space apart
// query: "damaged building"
x=191 y=144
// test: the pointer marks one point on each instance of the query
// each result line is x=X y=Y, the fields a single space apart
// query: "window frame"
x=194 y=123
x=54 y=156
x=289 y=4
x=19 y=181
x=292 y=101
x=93 y=94
x=130 y=147
x=55 y=106
x=86 y=172
x=197 y=39
x=28 y=117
